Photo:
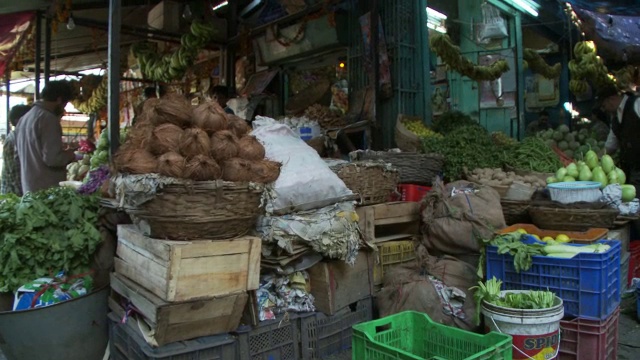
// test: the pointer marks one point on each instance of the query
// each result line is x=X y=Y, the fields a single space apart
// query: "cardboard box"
x=188 y=270
x=335 y=285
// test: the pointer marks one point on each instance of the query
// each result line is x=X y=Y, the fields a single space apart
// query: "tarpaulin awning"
x=611 y=7
x=13 y=28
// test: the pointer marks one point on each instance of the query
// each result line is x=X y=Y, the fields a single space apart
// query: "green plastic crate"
x=413 y=335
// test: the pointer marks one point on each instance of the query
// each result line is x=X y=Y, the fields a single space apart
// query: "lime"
x=522 y=231
x=562 y=238
x=547 y=238
x=535 y=236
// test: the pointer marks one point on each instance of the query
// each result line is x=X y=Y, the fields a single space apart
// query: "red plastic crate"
x=583 y=339
x=634 y=261
x=412 y=193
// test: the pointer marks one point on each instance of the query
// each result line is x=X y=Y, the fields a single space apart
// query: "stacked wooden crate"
x=183 y=289
x=393 y=228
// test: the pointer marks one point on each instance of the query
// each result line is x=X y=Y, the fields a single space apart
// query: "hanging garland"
x=62 y=14
x=450 y=54
x=536 y=63
x=172 y=66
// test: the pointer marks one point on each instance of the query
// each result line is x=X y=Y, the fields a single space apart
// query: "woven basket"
x=516 y=212
x=374 y=182
x=414 y=168
x=203 y=210
x=405 y=139
x=572 y=219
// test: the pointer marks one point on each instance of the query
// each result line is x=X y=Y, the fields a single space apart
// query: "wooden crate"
x=188 y=270
x=335 y=285
x=389 y=221
x=179 y=321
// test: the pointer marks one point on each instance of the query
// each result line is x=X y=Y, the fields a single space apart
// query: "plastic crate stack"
x=169 y=298
x=589 y=285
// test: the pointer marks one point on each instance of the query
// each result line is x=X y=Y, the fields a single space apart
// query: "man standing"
x=10 y=181
x=39 y=140
x=538 y=125
x=625 y=130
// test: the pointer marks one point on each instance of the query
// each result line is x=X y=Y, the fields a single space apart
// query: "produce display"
x=536 y=63
x=532 y=154
x=602 y=170
x=588 y=67
x=454 y=59
x=503 y=140
x=418 y=128
x=199 y=144
x=326 y=118
x=44 y=232
x=491 y=292
x=499 y=177
x=96 y=100
x=522 y=252
x=574 y=144
x=95 y=179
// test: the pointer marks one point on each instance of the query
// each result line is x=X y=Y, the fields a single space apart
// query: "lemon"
x=562 y=238
x=547 y=238
x=536 y=236
x=522 y=231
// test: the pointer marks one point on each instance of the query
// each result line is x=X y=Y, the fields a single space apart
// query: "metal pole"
x=230 y=78
x=115 y=23
x=8 y=77
x=38 y=54
x=386 y=139
x=47 y=50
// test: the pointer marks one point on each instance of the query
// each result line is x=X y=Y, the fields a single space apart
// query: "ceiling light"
x=435 y=20
x=528 y=6
x=220 y=5
x=436 y=14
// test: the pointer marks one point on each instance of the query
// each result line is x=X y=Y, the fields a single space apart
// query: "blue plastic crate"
x=589 y=284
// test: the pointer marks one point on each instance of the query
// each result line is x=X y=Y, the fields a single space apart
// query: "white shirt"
x=612 y=141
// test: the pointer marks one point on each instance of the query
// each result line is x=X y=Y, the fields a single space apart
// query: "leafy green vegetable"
x=451 y=121
x=522 y=253
x=491 y=293
x=45 y=232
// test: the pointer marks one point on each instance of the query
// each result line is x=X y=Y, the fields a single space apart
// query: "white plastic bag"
x=494 y=27
x=305 y=181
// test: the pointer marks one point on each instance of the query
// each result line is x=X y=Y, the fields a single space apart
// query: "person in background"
x=10 y=181
x=539 y=125
x=624 y=109
x=39 y=140
x=221 y=95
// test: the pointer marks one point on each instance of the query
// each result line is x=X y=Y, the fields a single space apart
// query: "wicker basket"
x=414 y=168
x=572 y=219
x=203 y=210
x=373 y=181
x=516 y=212
x=405 y=139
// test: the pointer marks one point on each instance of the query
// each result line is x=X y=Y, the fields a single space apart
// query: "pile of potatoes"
x=498 y=177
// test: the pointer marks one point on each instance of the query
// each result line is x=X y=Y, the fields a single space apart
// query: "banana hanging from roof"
x=172 y=66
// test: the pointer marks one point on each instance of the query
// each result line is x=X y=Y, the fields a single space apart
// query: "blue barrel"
x=72 y=330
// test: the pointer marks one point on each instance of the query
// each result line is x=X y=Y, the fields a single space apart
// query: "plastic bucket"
x=72 y=330
x=536 y=333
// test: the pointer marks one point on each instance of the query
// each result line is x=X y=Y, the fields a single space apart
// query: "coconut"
x=250 y=148
x=265 y=171
x=202 y=168
x=238 y=126
x=165 y=138
x=173 y=108
x=208 y=119
x=194 y=142
x=224 y=145
x=139 y=137
x=135 y=161
x=171 y=164
x=237 y=169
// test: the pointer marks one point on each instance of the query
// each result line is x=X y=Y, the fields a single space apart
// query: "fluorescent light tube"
x=526 y=6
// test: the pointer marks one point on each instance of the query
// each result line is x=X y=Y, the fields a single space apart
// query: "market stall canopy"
x=13 y=28
x=611 y=7
x=617 y=36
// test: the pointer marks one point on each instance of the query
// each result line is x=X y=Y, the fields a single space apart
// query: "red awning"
x=13 y=28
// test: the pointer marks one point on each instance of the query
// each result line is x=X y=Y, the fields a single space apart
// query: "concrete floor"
x=628 y=330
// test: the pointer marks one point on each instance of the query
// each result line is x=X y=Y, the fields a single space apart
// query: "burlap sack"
x=455 y=225
x=407 y=287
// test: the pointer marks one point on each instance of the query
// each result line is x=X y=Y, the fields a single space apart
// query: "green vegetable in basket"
x=572 y=170
x=585 y=174
x=522 y=253
x=628 y=193
x=568 y=251
x=561 y=173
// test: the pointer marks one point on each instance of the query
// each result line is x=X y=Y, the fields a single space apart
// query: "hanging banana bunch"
x=588 y=66
x=451 y=56
x=96 y=101
x=536 y=63
x=172 y=66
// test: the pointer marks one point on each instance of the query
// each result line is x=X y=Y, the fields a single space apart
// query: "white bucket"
x=536 y=333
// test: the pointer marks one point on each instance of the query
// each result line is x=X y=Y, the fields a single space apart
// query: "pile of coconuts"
x=172 y=138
